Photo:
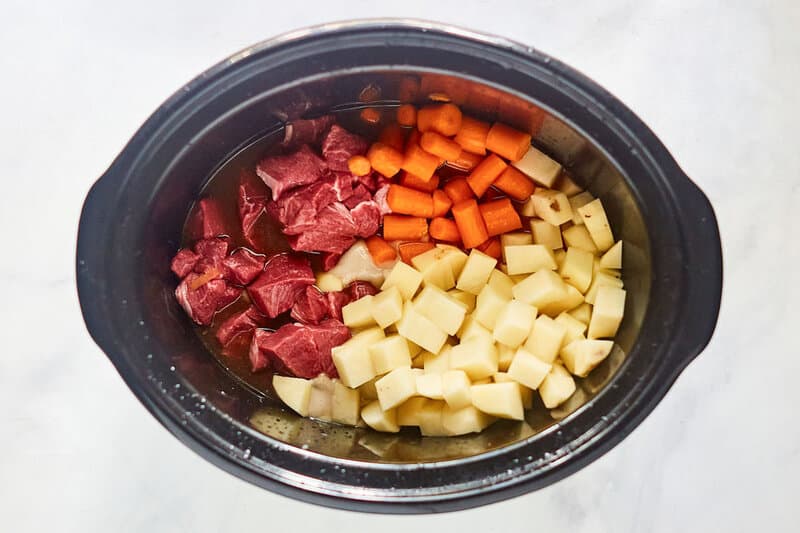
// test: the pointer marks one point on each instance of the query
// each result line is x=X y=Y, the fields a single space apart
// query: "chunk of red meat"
x=300 y=206
x=337 y=300
x=381 y=199
x=339 y=145
x=282 y=173
x=366 y=218
x=283 y=279
x=242 y=323
x=206 y=220
x=311 y=307
x=358 y=289
x=329 y=260
x=201 y=303
x=243 y=266
x=252 y=202
x=184 y=262
x=306 y=131
x=360 y=194
x=211 y=253
x=333 y=231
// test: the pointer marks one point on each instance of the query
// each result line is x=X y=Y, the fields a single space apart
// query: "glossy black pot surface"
x=131 y=226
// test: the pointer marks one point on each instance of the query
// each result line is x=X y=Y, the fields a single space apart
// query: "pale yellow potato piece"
x=552 y=206
x=367 y=392
x=546 y=234
x=420 y=330
x=527 y=258
x=414 y=349
x=465 y=298
x=528 y=369
x=389 y=353
x=477 y=356
x=613 y=257
x=583 y=313
x=545 y=339
x=557 y=387
x=528 y=209
x=455 y=257
x=418 y=361
x=515 y=238
x=540 y=289
x=609 y=307
x=596 y=221
x=575 y=328
x=396 y=387
x=514 y=323
x=576 y=201
x=502 y=400
x=378 y=419
x=320 y=403
x=430 y=386
x=294 y=392
x=472 y=327
x=352 y=358
x=525 y=392
x=386 y=307
x=571 y=300
x=583 y=355
x=435 y=304
x=346 y=404
x=560 y=255
x=464 y=420
x=358 y=314
x=567 y=185
x=408 y=411
x=406 y=278
x=578 y=237
x=602 y=279
x=577 y=268
x=437 y=266
x=476 y=272
x=456 y=389
x=539 y=167
x=505 y=354
x=437 y=363
x=327 y=282
x=502 y=283
x=488 y=306
x=430 y=419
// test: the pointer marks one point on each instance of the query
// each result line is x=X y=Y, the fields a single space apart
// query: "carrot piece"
x=381 y=251
x=410 y=250
x=419 y=162
x=466 y=161
x=507 y=142
x=403 y=228
x=515 y=184
x=500 y=217
x=359 y=165
x=439 y=145
x=385 y=159
x=371 y=115
x=484 y=174
x=393 y=135
x=458 y=190
x=444 y=229
x=492 y=247
x=203 y=278
x=407 y=201
x=441 y=203
x=470 y=223
x=407 y=115
x=415 y=182
x=472 y=135
x=442 y=118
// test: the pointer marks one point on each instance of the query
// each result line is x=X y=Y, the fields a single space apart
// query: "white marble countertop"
x=718 y=85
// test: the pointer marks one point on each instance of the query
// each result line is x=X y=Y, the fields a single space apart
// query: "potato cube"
x=367 y=392
x=546 y=234
x=540 y=289
x=527 y=258
x=557 y=387
x=294 y=392
x=505 y=354
x=440 y=308
x=528 y=209
x=455 y=257
x=456 y=389
x=389 y=353
x=583 y=313
x=413 y=348
x=595 y=220
x=552 y=206
x=408 y=411
x=572 y=300
x=437 y=363
x=514 y=239
x=539 y=167
x=582 y=356
x=464 y=420
x=560 y=256
x=545 y=339
x=477 y=356
x=378 y=419
x=430 y=419
x=406 y=278
x=514 y=323
x=464 y=297
x=320 y=403
x=528 y=369
x=525 y=392
x=575 y=328
x=358 y=314
x=609 y=307
x=488 y=306
x=476 y=272
x=577 y=268
x=613 y=257
x=602 y=279
x=387 y=307
x=436 y=266
x=472 y=327
x=577 y=201
x=418 y=361
x=502 y=400
x=346 y=404
x=396 y=387
x=420 y=330
x=353 y=360
x=502 y=283
x=327 y=282
x=567 y=185
x=430 y=386
x=578 y=237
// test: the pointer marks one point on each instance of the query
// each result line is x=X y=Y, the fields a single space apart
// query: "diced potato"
x=294 y=392
x=575 y=328
x=560 y=255
x=477 y=356
x=578 y=237
x=356 y=264
x=455 y=257
x=396 y=387
x=502 y=283
x=546 y=234
x=571 y=300
x=472 y=327
x=545 y=339
x=540 y=289
x=579 y=200
x=567 y=185
x=320 y=403
x=378 y=419
x=408 y=411
x=437 y=363
x=358 y=314
x=406 y=278
x=539 y=167
x=353 y=360
x=528 y=369
x=456 y=389
x=609 y=307
x=483 y=381
x=367 y=392
x=420 y=330
x=583 y=313
x=613 y=257
x=525 y=392
x=488 y=306
x=440 y=308
x=464 y=420
x=515 y=238
x=389 y=353
x=527 y=258
x=346 y=404
x=430 y=419
x=552 y=206
x=466 y=298
x=414 y=349
x=476 y=272
x=595 y=220
x=436 y=266
x=601 y=279
x=386 y=307
x=582 y=356
x=513 y=323
x=327 y=282
x=577 y=268
x=430 y=386
x=557 y=387
x=502 y=400
x=418 y=361
x=505 y=354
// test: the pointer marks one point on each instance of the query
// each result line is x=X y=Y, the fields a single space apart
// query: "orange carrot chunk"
x=507 y=142
x=444 y=229
x=410 y=250
x=470 y=223
x=484 y=174
x=359 y=165
x=203 y=278
x=441 y=203
x=415 y=182
x=499 y=217
x=492 y=247
x=441 y=118
x=393 y=135
x=385 y=159
x=458 y=190
x=371 y=115
x=407 y=115
x=472 y=135
x=515 y=184
x=439 y=145
x=403 y=228
x=406 y=201
x=381 y=251
x=419 y=162
x=466 y=161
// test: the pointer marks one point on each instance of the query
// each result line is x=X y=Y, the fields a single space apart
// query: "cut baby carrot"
x=371 y=115
x=415 y=182
x=500 y=217
x=385 y=159
x=419 y=162
x=458 y=190
x=515 y=184
x=204 y=278
x=439 y=145
x=472 y=135
x=393 y=135
x=407 y=115
x=484 y=174
x=492 y=247
x=403 y=228
x=381 y=251
x=444 y=229
x=466 y=161
x=359 y=165
x=410 y=250
x=441 y=118
x=470 y=223
x=406 y=201
x=507 y=142
x=441 y=203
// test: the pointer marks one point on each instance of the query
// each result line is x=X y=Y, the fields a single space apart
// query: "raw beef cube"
x=284 y=172
x=252 y=202
x=329 y=260
x=284 y=278
x=359 y=289
x=311 y=307
x=244 y=266
x=202 y=300
x=240 y=324
x=206 y=220
x=381 y=198
x=300 y=206
x=211 y=254
x=360 y=194
x=367 y=218
x=337 y=300
x=184 y=262
x=339 y=145
x=333 y=231
x=306 y=131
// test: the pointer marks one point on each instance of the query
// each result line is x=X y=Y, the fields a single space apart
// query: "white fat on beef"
x=356 y=264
